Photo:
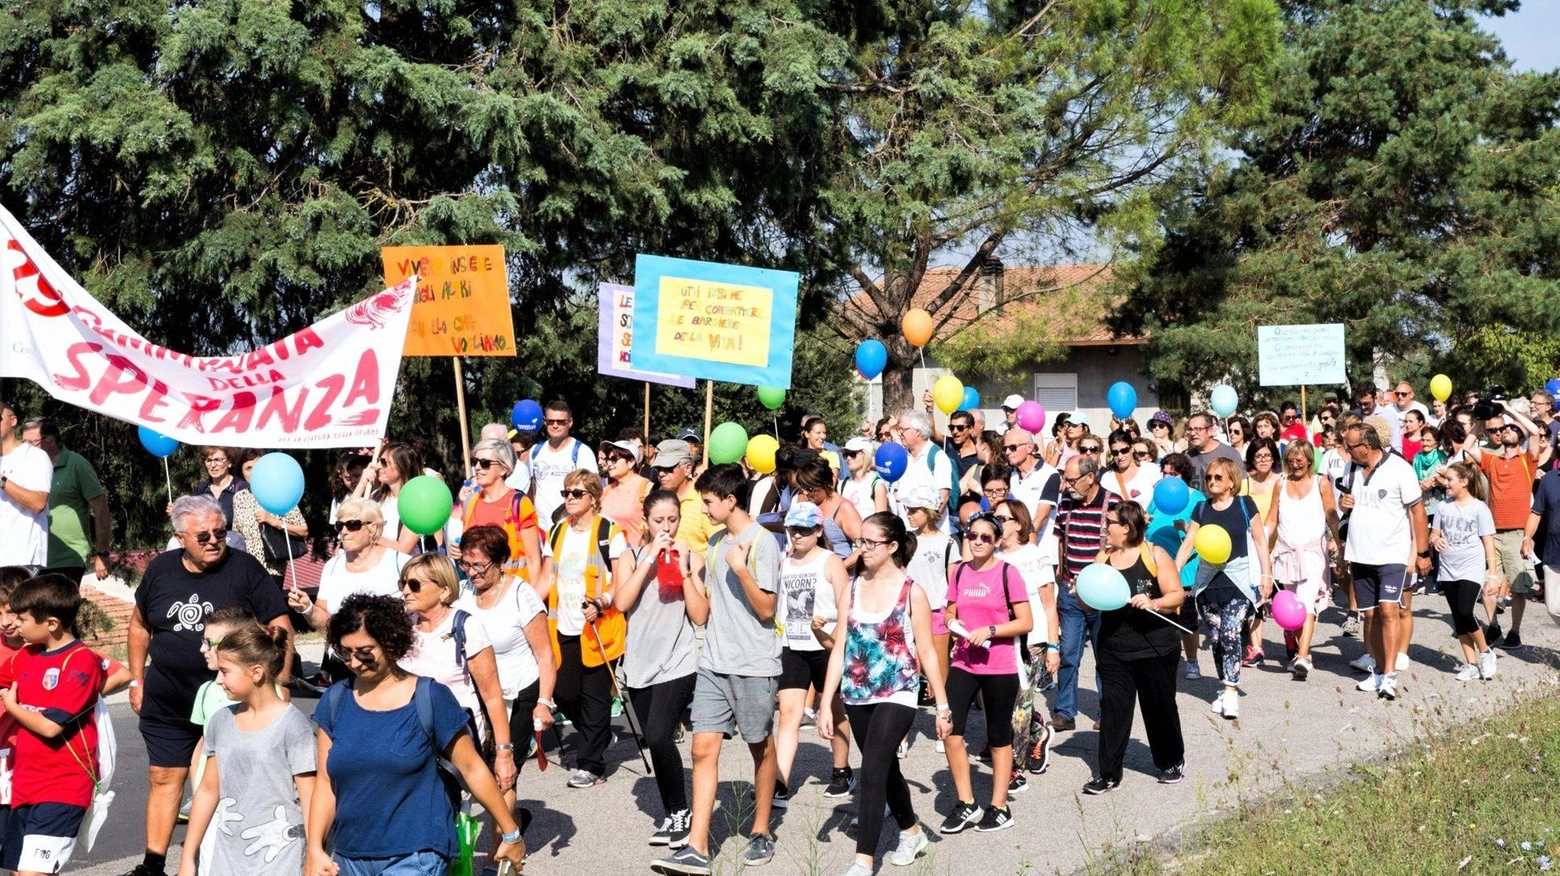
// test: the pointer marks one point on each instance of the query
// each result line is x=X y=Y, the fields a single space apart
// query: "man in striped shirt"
x=1080 y=527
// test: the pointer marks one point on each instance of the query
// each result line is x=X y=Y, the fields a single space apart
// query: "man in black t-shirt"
x=179 y=589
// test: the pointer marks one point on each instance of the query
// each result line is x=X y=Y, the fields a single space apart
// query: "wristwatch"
x=1424 y=555
x=3 y=481
x=992 y=631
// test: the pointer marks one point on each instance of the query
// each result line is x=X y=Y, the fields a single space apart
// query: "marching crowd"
x=573 y=583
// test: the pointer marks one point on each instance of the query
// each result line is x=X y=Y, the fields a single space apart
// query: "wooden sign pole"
x=465 y=430
x=1305 y=417
x=647 y=412
x=709 y=417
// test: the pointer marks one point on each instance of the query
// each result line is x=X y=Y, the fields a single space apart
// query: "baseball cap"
x=672 y=452
x=920 y=496
x=858 y=444
x=803 y=515
x=1013 y=401
x=1079 y=417
x=626 y=446
x=692 y=435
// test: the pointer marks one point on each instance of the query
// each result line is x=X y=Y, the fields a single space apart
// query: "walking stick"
x=628 y=705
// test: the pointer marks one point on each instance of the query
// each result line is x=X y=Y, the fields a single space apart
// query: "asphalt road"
x=1287 y=731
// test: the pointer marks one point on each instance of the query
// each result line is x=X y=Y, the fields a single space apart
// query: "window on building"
x=1056 y=392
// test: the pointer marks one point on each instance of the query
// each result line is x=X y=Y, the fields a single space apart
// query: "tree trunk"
x=899 y=376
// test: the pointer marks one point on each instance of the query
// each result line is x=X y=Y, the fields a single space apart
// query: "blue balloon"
x=156 y=443
x=1122 y=399
x=971 y=399
x=527 y=416
x=1553 y=386
x=277 y=483
x=871 y=358
x=1103 y=588
x=1171 y=495
x=1224 y=400
x=891 y=461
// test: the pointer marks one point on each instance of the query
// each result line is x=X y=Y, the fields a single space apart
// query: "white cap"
x=1013 y=401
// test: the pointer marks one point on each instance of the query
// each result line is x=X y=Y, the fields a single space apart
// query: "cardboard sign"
x=1300 y=355
x=719 y=322
x=462 y=306
x=616 y=339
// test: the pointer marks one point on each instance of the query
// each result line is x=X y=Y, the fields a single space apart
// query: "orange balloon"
x=917 y=327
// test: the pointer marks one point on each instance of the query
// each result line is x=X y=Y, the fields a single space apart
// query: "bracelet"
x=551 y=704
x=1053 y=646
x=511 y=838
x=943 y=707
x=507 y=746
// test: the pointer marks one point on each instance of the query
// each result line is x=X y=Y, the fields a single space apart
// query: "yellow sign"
x=462 y=306
x=718 y=322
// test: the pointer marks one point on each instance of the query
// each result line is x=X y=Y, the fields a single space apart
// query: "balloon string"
x=777 y=426
x=292 y=567
x=167 y=476
x=1173 y=623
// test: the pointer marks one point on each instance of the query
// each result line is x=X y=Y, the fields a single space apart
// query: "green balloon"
x=771 y=397
x=727 y=443
x=425 y=504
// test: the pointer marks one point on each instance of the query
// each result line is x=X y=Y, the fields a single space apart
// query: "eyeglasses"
x=1352 y=447
x=996 y=492
x=981 y=538
x=1262 y=457
x=1068 y=480
x=556 y=422
x=1114 y=521
x=483 y=464
x=218 y=535
x=1191 y=428
x=1010 y=448
x=1082 y=449
x=413 y=584
x=574 y=494
x=348 y=525
x=211 y=644
x=364 y=656
x=869 y=544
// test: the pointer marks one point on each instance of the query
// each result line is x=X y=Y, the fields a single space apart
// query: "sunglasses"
x=981 y=538
x=801 y=532
x=1082 y=449
x=957 y=427
x=218 y=535
x=1010 y=448
x=575 y=494
x=552 y=422
x=619 y=457
x=349 y=525
x=365 y=656
x=1113 y=521
x=1158 y=424
x=851 y=454
x=483 y=464
x=1118 y=451
x=1401 y=394
x=1142 y=454
x=1003 y=517
x=413 y=584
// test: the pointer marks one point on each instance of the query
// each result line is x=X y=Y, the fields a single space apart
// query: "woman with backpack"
x=381 y=736
x=493 y=502
x=452 y=648
x=587 y=632
x=862 y=486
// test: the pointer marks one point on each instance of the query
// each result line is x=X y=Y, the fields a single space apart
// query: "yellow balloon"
x=948 y=393
x=917 y=327
x=761 y=453
x=1213 y=544
x=1441 y=387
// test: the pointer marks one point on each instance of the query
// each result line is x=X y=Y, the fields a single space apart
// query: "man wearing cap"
x=695 y=441
x=1010 y=411
x=1510 y=471
x=674 y=471
x=520 y=478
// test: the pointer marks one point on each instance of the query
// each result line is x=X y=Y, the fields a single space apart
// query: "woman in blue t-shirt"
x=378 y=759
x=1227 y=593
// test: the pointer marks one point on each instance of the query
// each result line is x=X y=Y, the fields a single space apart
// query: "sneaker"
x=1467 y=672
x=1061 y=724
x=1302 y=668
x=143 y=870
x=1218 y=703
x=1253 y=657
x=683 y=862
x=911 y=845
x=1040 y=752
x=1098 y=786
x=1363 y=663
x=1370 y=685
x=963 y=815
x=942 y=747
x=1492 y=634
x=1192 y=671
x=560 y=719
x=1387 y=690
x=586 y=779
x=617 y=707
x=841 y=783
x=1403 y=664
x=674 y=830
x=1173 y=775
x=1487 y=665
x=663 y=833
x=984 y=754
x=904 y=749
x=809 y=718
x=995 y=819
x=1291 y=643
x=1231 y=706
x=782 y=799
x=858 y=869
x=1352 y=625
x=760 y=850
x=1017 y=783
x=1513 y=641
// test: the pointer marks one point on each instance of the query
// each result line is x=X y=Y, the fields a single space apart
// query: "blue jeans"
x=1076 y=625
x=415 y=864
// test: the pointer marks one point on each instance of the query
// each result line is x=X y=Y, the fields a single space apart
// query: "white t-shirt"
x=433 y=656
x=1038 y=572
x=1043 y=485
x=390 y=510
x=569 y=574
x=505 y=623
x=1379 y=533
x=929 y=567
x=861 y=493
x=924 y=471
x=805 y=593
x=1139 y=489
x=549 y=467
x=520 y=478
x=24 y=535
x=337 y=582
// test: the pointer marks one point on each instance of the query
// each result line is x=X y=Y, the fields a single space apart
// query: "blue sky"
x=1531 y=34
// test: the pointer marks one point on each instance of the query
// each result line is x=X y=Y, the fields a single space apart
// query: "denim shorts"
x=416 y=864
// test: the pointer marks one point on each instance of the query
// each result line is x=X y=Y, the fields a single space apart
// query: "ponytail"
x=254 y=645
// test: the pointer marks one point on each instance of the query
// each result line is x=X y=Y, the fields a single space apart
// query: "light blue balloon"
x=1171 y=495
x=277 y=483
x=871 y=358
x=1224 y=400
x=1103 y=588
x=156 y=443
x=971 y=399
x=1122 y=399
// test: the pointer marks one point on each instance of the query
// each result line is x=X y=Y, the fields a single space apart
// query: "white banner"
x=1300 y=355
x=328 y=385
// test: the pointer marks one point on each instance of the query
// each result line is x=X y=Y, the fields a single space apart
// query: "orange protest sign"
x=462 y=306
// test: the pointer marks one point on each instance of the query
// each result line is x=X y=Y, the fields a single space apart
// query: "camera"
x=1496 y=392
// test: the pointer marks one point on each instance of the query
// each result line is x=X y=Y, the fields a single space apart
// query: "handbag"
x=281 y=545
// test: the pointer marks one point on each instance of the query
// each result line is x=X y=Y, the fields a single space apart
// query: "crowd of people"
x=573 y=583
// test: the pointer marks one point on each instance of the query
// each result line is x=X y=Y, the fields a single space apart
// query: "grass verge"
x=1476 y=798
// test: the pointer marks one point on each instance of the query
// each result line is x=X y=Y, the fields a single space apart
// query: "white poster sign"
x=1300 y=355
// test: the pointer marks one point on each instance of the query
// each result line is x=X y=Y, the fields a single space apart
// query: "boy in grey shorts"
x=739 y=668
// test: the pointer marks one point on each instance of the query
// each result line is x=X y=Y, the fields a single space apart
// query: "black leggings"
x=660 y=709
x=522 y=724
x=998 y=694
x=1151 y=682
x=877 y=729
x=584 y=694
x=1461 y=597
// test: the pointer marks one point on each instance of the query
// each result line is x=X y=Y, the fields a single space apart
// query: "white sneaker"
x=1370 y=685
x=1467 y=672
x=1218 y=703
x=1230 y=707
x=1403 y=663
x=1192 y=672
x=904 y=749
x=942 y=747
x=1364 y=663
x=1387 y=690
x=1487 y=665
x=1302 y=668
x=911 y=845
